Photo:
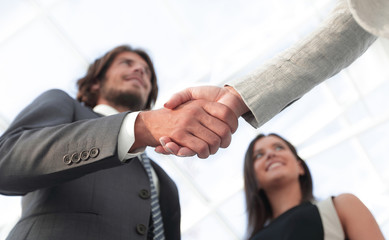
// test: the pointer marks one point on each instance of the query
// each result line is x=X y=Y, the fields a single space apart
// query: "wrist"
x=236 y=104
x=143 y=135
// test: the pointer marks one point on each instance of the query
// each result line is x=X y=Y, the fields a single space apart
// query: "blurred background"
x=341 y=128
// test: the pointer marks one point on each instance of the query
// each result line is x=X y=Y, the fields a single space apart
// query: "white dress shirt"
x=126 y=137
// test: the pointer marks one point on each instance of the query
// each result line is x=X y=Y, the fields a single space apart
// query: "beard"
x=128 y=99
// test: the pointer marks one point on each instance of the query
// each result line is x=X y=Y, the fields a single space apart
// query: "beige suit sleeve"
x=287 y=77
x=372 y=15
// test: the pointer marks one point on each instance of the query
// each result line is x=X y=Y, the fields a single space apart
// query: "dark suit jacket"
x=62 y=157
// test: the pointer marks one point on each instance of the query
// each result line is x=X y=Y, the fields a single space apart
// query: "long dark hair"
x=97 y=70
x=258 y=205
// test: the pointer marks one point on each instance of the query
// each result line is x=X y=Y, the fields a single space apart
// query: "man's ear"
x=95 y=87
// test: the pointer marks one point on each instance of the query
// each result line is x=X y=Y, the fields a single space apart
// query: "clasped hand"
x=194 y=127
x=208 y=131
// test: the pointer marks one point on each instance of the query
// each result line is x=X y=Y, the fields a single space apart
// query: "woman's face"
x=274 y=163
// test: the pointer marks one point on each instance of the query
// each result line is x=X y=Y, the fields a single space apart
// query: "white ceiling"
x=341 y=127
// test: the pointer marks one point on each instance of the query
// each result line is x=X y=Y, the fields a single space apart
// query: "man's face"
x=127 y=82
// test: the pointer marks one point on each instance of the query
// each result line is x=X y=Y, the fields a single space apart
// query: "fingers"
x=161 y=150
x=206 y=136
x=221 y=136
x=215 y=126
x=192 y=128
x=211 y=138
x=199 y=139
x=179 y=151
x=171 y=147
x=212 y=94
x=182 y=152
x=222 y=128
x=214 y=132
x=178 y=99
x=185 y=152
x=209 y=93
x=218 y=117
x=172 y=150
x=223 y=113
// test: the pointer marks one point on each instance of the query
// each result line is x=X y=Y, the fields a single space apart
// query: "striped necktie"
x=155 y=209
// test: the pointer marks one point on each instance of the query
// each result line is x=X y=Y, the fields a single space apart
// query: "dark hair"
x=258 y=205
x=97 y=70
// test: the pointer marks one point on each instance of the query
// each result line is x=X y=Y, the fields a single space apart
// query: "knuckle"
x=215 y=142
x=225 y=113
x=203 y=151
x=226 y=142
x=225 y=131
x=214 y=150
x=178 y=134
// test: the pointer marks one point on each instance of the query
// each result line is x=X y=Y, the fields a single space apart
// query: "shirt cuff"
x=126 y=138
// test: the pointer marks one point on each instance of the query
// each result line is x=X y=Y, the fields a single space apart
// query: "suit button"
x=76 y=157
x=84 y=155
x=144 y=193
x=141 y=229
x=67 y=160
x=94 y=152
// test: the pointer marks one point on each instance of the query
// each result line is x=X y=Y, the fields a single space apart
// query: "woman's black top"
x=302 y=222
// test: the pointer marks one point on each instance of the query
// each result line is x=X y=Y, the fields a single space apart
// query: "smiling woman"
x=280 y=202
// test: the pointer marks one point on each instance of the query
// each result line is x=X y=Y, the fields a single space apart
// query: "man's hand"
x=226 y=95
x=201 y=126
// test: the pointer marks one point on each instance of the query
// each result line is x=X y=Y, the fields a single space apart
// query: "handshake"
x=197 y=120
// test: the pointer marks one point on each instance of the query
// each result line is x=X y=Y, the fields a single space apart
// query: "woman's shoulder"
x=346 y=198
x=341 y=203
x=346 y=203
x=356 y=218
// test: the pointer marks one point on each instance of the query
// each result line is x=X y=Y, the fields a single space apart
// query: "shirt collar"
x=105 y=110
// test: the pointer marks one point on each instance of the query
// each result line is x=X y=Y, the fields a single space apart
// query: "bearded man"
x=80 y=165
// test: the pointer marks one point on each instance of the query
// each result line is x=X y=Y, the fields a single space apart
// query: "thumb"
x=178 y=99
